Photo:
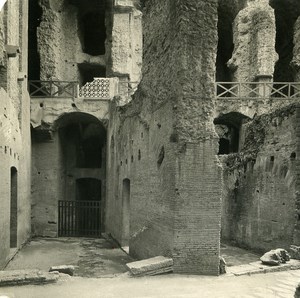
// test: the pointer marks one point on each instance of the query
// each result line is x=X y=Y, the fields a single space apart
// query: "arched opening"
x=286 y=15
x=34 y=19
x=228 y=128
x=126 y=212
x=92 y=29
x=13 y=207
x=82 y=140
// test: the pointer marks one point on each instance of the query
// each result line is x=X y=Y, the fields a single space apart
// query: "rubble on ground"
x=66 y=269
x=222 y=266
x=25 y=277
x=275 y=257
x=152 y=266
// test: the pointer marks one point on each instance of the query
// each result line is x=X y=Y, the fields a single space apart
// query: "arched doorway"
x=82 y=139
x=126 y=212
x=13 y=207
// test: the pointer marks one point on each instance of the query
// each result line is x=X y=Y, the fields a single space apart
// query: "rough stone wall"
x=296 y=52
x=47 y=186
x=259 y=190
x=254 y=42
x=175 y=206
x=14 y=129
x=61 y=51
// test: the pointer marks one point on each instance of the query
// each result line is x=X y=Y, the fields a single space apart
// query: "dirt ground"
x=94 y=257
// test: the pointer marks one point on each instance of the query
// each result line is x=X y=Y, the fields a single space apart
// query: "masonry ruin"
x=173 y=126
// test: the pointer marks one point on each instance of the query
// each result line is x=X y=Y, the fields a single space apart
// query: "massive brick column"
x=198 y=176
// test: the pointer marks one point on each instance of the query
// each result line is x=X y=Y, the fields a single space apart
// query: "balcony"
x=257 y=90
x=98 y=89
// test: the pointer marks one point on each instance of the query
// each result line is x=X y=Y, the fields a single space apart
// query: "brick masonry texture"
x=175 y=208
x=261 y=185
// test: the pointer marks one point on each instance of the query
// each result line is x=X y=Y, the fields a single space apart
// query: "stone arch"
x=229 y=129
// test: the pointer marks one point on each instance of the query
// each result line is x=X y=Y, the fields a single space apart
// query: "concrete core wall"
x=164 y=142
x=260 y=183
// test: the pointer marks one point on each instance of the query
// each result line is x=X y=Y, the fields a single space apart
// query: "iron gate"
x=79 y=218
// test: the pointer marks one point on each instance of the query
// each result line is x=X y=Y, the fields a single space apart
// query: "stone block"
x=294 y=252
x=66 y=269
x=275 y=257
x=152 y=266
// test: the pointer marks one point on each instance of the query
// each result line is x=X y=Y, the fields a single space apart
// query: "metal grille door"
x=79 y=218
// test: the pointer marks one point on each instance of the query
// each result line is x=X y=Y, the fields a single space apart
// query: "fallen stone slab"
x=25 y=277
x=275 y=257
x=152 y=266
x=66 y=269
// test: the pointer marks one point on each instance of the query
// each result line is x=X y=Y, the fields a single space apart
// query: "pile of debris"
x=275 y=257
x=152 y=266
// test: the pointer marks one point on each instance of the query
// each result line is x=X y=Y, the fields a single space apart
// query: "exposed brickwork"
x=260 y=184
x=174 y=206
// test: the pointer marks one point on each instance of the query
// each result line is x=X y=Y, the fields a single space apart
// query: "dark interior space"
x=92 y=28
x=88 y=189
x=286 y=14
x=13 y=207
x=89 y=71
x=225 y=43
x=83 y=140
x=228 y=128
x=34 y=19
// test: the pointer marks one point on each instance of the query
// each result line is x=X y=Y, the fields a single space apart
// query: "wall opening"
x=92 y=29
x=13 y=207
x=83 y=144
x=87 y=72
x=225 y=42
x=88 y=189
x=126 y=212
x=286 y=16
x=34 y=19
x=228 y=128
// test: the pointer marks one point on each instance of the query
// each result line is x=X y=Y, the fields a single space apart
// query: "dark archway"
x=228 y=127
x=82 y=139
x=13 y=207
x=126 y=212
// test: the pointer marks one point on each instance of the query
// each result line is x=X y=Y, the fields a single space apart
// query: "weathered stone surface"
x=222 y=265
x=24 y=277
x=67 y=269
x=152 y=266
x=294 y=252
x=275 y=257
x=296 y=51
x=254 y=42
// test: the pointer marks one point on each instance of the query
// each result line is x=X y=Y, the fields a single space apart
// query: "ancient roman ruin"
x=170 y=125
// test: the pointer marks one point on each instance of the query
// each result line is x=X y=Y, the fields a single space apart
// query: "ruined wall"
x=174 y=205
x=259 y=189
x=254 y=42
x=14 y=127
x=296 y=51
x=47 y=185
x=60 y=42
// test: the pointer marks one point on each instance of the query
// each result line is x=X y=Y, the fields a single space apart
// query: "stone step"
x=152 y=266
x=25 y=277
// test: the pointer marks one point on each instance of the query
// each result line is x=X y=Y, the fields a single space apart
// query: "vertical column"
x=254 y=53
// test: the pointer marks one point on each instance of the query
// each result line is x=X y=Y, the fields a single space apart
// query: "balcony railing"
x=39 y=88
x=99 y=88
x=259 y=90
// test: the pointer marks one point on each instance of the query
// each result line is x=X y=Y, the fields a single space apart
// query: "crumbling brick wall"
x=174 y=199
x=260 y=183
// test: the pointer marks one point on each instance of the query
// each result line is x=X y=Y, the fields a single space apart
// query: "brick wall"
x=260 y=188
x=14 y=128
x=175 y=206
